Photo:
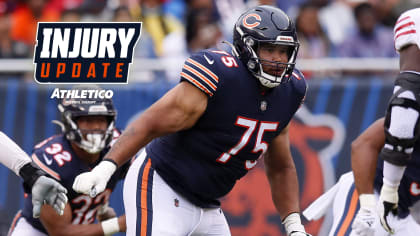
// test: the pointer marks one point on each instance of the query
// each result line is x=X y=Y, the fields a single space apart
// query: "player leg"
x=152 y=208
x=21 y=227
x=212 y=222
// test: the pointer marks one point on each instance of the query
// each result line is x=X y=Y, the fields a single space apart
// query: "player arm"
x=410 y=58
x=179 y=109
x=281 y=173
x=364 y=156
x=62 y=226
x=11 y=155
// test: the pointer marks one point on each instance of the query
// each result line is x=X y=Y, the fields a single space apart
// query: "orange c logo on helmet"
x=255 y=24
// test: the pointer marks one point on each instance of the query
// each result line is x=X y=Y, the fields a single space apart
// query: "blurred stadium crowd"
x=176 y=28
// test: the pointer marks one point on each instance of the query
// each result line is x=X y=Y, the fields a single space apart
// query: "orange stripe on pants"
x=350 y=214
x=143 y=199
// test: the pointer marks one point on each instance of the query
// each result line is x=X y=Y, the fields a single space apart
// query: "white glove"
x=95 y=181
x=293 y=225
x=388 y=202
x=363 y=224
x=49 y=191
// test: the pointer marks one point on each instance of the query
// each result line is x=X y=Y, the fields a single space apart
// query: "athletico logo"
x=84 y=52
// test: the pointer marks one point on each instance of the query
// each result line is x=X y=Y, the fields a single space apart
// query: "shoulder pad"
x=199 y=70
x=299 y=82
x=51 y=156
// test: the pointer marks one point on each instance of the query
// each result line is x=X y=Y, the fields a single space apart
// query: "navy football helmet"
x=265 y=25
x=92 y=141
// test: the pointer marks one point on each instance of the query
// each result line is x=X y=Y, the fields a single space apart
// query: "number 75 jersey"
x=240 y=121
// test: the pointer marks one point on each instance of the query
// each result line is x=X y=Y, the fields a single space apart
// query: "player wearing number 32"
x=88 y=133
x=229 y=109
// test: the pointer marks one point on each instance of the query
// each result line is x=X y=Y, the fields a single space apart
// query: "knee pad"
x=402 y=120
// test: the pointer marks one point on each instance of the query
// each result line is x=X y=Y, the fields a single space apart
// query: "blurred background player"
x=210 y=130
x=88 y=132
x=402 y=117
x=43 y=189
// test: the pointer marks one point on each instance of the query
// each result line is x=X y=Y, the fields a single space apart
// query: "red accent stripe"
x=403 y=26
x=406 y=32
x=45 y=168
x=198 y=74
x=402 y=19
x=204 y=69
x=297 y=76
x=196 y=83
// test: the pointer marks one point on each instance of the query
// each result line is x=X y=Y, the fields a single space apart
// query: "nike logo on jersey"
x=414 y=189
x=208 y=60
x=47 y=160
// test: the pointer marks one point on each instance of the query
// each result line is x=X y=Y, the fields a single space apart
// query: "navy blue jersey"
x=409 y=190
x=56 y=157
x=204 y=162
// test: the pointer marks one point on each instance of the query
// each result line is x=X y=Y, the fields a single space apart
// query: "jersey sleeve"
x=45 y=158
x=199 y=71
x=407 y=29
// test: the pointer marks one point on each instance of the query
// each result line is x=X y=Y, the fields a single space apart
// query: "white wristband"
x=106 y=168
x=367 y=201
x=110 y=226
x=293 y=223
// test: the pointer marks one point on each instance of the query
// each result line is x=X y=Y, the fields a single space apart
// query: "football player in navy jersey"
x=88 y=132
x=230 y=109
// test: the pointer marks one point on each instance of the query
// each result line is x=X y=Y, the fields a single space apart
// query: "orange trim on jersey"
x=204 y=69
x=406 y=32
x=196 y=83
x=144 y=181
x=350 y=214
x=45 y=168
x=15 y=219
x=201 y=76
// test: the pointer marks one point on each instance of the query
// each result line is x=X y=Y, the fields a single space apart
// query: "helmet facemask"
x=279 y=72
x=92 y=141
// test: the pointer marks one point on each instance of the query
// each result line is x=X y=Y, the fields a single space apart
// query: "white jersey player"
x=402 y=116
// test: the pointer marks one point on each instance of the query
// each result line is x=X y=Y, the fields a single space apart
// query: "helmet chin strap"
x=268 y=80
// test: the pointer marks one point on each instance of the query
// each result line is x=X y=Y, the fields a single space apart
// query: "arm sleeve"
x=11 y=155
x=407 y=29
